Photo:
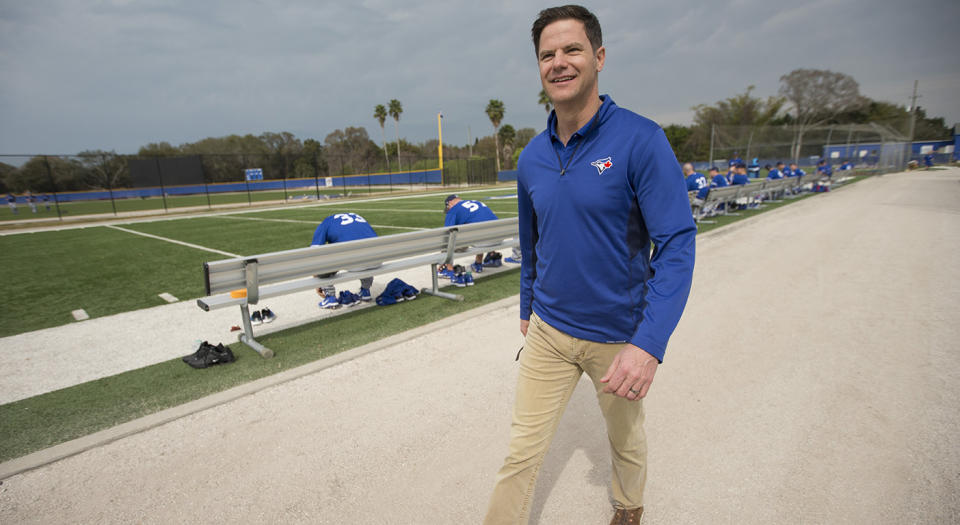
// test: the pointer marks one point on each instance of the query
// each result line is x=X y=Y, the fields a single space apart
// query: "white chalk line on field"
x=301 y=221
x=285 y=206
x=174 y=241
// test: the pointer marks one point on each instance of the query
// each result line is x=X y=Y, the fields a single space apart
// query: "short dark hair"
x=553 y=14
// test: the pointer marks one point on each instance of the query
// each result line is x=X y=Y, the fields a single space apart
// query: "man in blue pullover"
x=594 y=190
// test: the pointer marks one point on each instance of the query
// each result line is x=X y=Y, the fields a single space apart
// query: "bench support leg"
x=436 y=287
x=246 y=337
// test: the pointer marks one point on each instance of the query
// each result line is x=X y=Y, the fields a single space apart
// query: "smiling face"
x=569 y=64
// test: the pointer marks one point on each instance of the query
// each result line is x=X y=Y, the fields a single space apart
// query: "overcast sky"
x=115 y=75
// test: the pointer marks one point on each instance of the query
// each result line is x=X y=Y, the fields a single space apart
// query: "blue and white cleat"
x=511 y=260
x=347 y=299
x=365 y=295
x=468 y=279
x=477 y=267
x=330 y=302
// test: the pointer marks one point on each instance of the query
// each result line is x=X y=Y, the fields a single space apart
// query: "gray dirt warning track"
x=814 y=378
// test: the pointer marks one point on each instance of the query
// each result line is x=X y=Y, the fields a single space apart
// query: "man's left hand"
x=630 y=374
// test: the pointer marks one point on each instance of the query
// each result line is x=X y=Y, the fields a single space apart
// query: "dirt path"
x=815 y=378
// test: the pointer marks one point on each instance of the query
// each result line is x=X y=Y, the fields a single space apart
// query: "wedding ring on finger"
x=635 y=392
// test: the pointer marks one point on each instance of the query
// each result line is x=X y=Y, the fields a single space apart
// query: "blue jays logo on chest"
x=602 y=165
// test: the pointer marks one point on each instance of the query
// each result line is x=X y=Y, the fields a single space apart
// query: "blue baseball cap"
x=446 y=201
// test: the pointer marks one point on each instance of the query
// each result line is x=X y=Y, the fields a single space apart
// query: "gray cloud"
x=117 y=75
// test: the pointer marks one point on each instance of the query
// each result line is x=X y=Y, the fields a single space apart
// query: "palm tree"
x=545 y=100
x=495 y=111
x=380 y=113
x=508 y=137
x=395 y=110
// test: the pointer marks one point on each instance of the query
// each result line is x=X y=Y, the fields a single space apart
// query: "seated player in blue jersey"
x=459 y=211
x=716 y=179
x=740 y=176
x=342 y=227
x=774 y=172
x=795 y=171
x=695 y=181
x=824 y=169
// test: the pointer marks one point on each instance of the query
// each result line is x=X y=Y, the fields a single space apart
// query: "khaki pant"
x=550 y=367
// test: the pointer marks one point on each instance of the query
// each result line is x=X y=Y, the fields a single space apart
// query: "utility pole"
x=913 y=120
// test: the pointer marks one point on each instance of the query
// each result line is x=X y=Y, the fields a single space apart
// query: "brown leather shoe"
x=627 y=516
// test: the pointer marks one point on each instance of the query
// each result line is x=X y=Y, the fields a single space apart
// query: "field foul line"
x=300 y=221
x=174 y=241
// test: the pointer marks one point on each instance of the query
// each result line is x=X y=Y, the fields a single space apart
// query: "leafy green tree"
x=105 y=169
x=524 y=136
x=736 y=117
x=311 y=162
x=6 y=170
x=495 y=111
x=46 y=175
x=158 y=149
x=679 y=136
x=545 y=101
x=739 y=110
x=351 y=148
x=380 y=113
x=818 y=96
x=507 y=137
x=395 y=109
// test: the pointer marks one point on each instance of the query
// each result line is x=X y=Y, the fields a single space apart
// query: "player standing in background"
x=735 y=160
x=32 y=201
x=754 y=168
x=12 y=203
x=343 y=227
x=594 y=190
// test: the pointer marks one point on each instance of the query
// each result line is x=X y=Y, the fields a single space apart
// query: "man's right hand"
x=524 y=323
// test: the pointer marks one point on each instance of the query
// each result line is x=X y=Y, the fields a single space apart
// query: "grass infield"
x=105 y=271
x=48 y=419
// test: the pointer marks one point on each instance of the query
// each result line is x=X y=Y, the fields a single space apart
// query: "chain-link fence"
x=866 y=147
x=58 y=186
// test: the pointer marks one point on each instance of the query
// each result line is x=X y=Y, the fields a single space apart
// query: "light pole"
x=440 y=141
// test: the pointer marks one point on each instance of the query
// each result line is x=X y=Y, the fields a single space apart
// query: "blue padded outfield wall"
x=296 y=185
